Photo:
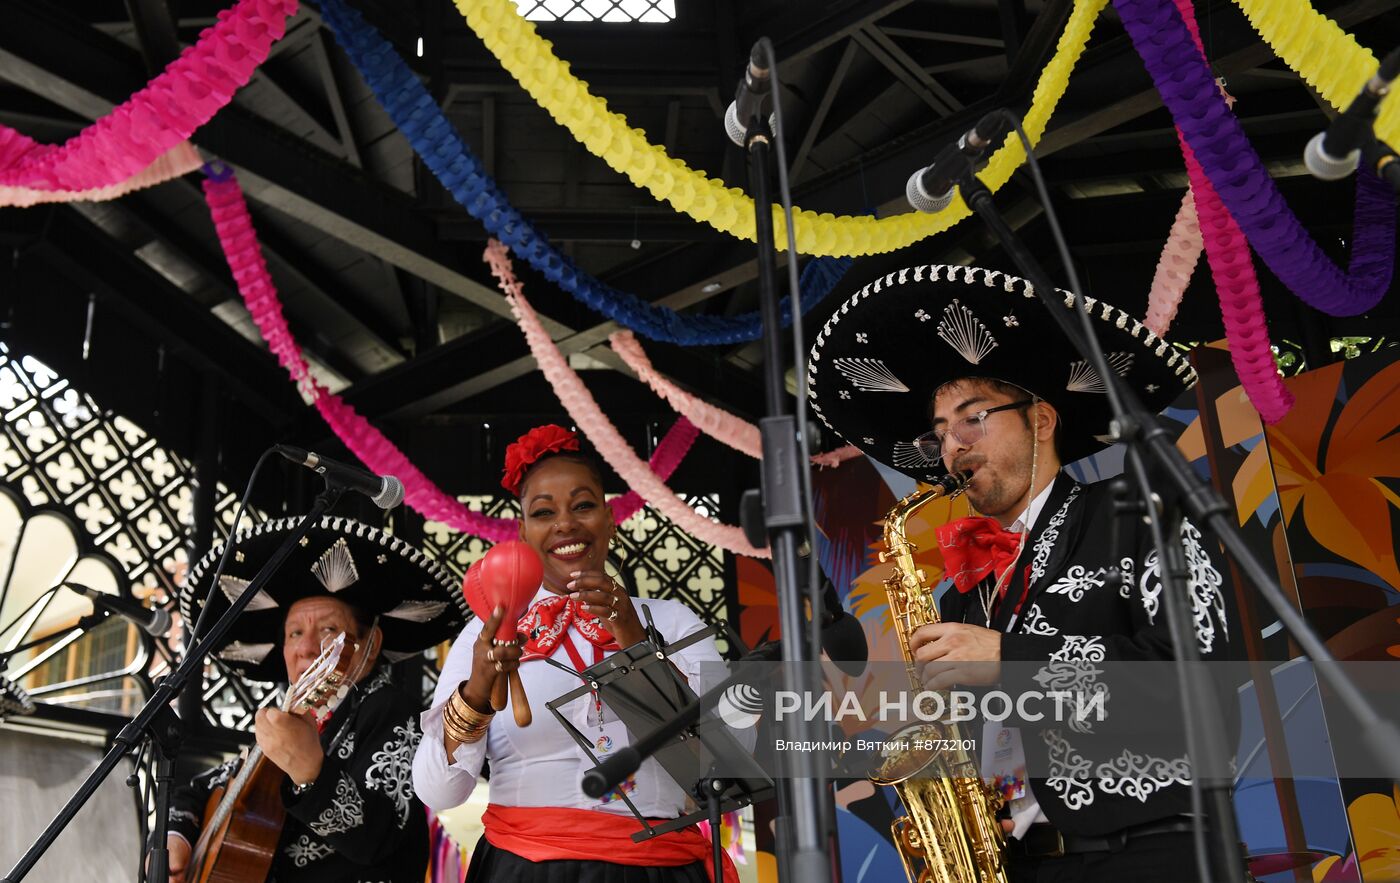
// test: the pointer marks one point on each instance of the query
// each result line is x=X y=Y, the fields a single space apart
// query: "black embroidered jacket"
x=1072 y=633
x=360 y=822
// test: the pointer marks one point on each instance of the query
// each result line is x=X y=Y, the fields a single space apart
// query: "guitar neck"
x=246 y=770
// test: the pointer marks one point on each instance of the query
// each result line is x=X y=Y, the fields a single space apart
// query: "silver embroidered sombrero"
x=417 y=600
x=904 y=328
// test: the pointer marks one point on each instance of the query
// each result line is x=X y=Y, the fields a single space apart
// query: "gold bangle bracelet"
x=471 y=715
x=462 y=722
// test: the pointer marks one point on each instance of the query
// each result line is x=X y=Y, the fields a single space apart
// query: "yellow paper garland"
x=1325 y=56
x=531 y=60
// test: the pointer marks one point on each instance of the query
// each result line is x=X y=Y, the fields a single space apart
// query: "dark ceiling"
x=380 y=271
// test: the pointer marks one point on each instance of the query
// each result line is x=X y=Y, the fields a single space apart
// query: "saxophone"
x=950 y=833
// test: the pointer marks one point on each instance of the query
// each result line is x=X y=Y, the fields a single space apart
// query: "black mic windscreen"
x=844 y=643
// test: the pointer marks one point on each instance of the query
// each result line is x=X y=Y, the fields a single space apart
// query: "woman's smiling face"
x=566 y=520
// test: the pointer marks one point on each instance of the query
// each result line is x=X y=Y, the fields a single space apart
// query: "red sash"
x=548 y=833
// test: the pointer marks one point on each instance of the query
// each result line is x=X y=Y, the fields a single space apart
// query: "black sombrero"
x=417 y=600
x=905 y=327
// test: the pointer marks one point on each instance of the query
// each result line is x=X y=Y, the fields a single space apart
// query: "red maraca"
x=508 y=576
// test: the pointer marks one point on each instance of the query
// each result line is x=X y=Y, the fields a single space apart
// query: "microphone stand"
x=1188 y=496
x=159 y=723
x=785 y=518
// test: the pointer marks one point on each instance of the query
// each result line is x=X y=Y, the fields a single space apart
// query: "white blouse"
x=542 y=765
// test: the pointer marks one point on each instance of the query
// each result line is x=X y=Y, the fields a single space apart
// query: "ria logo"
x=739 y=706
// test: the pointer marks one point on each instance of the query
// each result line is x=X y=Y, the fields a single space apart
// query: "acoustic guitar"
x=243 y=819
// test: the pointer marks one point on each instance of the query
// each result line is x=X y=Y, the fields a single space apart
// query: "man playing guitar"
x=338 y=772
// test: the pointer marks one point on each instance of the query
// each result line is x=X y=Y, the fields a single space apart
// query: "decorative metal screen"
x=648 y=11
x=133 y=498
x=125 y=496
x=660 y=559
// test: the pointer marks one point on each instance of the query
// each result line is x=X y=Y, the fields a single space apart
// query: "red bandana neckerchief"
x=976 y=547
x=548 y=620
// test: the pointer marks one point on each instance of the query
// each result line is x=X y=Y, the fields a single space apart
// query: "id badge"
x=607 y=740
x=1004 y=760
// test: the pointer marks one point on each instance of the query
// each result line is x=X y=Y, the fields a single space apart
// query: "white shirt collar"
x=1028 y=518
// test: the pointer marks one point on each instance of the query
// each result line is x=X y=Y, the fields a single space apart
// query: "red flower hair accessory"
x=525 y=451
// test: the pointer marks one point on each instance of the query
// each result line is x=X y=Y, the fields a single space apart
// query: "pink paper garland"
x=180 y=160
x=717 y=423
x=586 y=414
x=1174 y=268
x=1232 y=267
x=245 y=259
x=832 y=459
x=1180 y=255
x=160 y=115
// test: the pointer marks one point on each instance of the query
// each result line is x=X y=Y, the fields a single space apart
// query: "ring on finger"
x=491 y=655
x=500 y=667
x=612 y=617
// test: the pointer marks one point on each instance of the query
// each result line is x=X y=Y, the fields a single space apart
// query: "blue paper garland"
x=447 y=156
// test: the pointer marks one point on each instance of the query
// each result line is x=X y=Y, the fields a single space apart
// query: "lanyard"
x=577 y=659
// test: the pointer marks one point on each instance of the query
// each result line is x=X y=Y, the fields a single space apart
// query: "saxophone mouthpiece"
x=952 y=483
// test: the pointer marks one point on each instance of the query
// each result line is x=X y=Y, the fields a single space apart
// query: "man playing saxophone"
x=932 y=369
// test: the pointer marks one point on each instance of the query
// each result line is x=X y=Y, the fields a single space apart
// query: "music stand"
x=644 y=690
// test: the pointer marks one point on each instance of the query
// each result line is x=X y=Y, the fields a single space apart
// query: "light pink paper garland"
x=180 y=160
x=832 y=459
x=1179 y=258
x=717 y=423
x=586 y=414
x=240 y=244
x=1232 y=268
x=160 y=115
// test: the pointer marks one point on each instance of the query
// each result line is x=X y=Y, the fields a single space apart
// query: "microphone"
x=385 y=491
x=843 y=637
x=1383 y=161
x=931 y=188
x=152 y=621
x=614 y=768
x=748 y=98
x=1333 y=154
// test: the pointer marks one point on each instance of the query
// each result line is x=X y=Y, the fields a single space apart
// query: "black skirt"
x=492 y=865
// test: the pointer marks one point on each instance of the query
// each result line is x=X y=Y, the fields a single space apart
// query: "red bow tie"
x=973 y=548
x=547 y=621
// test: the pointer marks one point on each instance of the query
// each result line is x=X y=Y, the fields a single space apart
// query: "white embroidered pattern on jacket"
x=347 y=812
x=177 y=815
x=1076 y=581
x=303 y=851
x=222 y=773
x=1125 y=585
x=1036 y=624
x=1141 y=775
x=1069 y=771
x=1047 y=538
x=346 y=748
x=1138 y=776
x=1071 y=668
x=1206 y=596
x=391 y=768
x=380 y=679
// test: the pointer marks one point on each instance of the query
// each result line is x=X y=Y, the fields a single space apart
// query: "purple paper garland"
x=1189 y=91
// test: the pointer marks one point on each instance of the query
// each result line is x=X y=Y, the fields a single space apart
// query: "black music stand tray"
x=644 y=691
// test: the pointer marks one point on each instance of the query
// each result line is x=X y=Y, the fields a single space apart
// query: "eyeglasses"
x=968 y=431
